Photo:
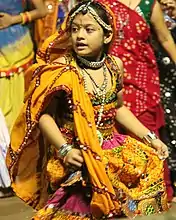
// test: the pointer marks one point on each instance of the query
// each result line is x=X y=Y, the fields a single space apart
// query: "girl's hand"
x=161 y=149
x=6 y=20
x=74 y=158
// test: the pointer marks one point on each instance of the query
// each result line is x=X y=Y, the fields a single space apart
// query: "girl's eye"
x=74 y=29
x=89 y=30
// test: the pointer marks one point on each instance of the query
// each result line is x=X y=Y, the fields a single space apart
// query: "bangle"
x=64 y=149
x=149 y=137
x=23 y=18
x=28 y=16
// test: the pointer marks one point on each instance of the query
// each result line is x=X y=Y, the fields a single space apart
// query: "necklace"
x=99 y=89
x=91 y=64
x=100 y=93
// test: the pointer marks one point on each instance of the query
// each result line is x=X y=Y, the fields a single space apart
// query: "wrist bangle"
x=64 y=149
x=149 y=137
x=24 y=18
x=28 y=16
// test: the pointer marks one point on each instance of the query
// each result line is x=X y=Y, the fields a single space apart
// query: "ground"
x=14 y=209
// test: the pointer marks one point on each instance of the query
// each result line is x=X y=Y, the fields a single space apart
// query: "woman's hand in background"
x=6 y=20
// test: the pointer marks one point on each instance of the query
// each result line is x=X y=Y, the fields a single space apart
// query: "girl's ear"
x=108 y=37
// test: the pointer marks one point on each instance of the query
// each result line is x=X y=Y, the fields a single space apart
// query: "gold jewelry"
x=24 y=18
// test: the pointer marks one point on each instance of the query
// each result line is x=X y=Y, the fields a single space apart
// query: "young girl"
x=65 y=142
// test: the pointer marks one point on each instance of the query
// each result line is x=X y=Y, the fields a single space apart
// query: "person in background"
x=45 y=27
x=134 y=20
x=66 y=157
x=169 y=6
x=5 y=182
x=16 y=53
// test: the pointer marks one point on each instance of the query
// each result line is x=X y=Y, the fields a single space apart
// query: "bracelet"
x=149 y=137
x=64 y=149
x=26 y=17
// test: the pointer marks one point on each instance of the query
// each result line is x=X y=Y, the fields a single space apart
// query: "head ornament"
x=87 y=8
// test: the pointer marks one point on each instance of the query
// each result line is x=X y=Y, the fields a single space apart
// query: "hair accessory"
x=85 y=8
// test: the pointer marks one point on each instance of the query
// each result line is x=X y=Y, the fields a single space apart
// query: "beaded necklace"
x=98 y=89
x=100 y=93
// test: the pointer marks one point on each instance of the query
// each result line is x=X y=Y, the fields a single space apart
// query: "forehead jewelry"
x=85 y=8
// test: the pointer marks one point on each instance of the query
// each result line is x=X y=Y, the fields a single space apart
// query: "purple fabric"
x=116 y=141
x=74 y=201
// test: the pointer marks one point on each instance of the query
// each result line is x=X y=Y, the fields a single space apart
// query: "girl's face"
x=87 y=36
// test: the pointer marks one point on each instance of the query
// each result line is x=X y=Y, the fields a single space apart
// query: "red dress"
x=141 y=76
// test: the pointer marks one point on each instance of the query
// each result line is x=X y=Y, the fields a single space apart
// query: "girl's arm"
x=162 y=32
x=127 y=119
x=39 y=11
x=52 y=133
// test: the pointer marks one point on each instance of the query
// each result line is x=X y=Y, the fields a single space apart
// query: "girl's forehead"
x=86 y=19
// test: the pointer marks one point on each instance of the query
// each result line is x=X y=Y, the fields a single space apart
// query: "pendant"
x=100 y=137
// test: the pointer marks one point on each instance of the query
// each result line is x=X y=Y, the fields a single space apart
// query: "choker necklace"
x=92 y=64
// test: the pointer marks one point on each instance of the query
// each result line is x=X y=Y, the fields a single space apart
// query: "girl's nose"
x=80 y=33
